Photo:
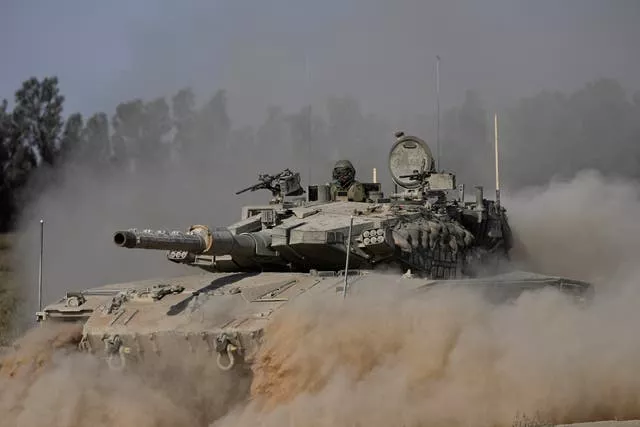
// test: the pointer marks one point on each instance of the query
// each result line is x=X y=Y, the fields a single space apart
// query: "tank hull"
x=224 y=315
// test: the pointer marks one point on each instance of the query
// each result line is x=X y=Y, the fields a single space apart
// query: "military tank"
x=316 y=243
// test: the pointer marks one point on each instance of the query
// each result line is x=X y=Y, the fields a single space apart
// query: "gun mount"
x=295 y=247
x=281 y=185
x=421 y=176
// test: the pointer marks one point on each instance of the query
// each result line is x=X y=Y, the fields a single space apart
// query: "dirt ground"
x=630 y=423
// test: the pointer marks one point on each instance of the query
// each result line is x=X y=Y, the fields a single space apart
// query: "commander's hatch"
x=408 y=155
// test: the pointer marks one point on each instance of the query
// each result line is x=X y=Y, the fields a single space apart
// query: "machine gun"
x=429 y=185
x=285 y=183
x=422 y=176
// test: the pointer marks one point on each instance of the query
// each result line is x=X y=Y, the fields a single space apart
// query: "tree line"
x=548 y=134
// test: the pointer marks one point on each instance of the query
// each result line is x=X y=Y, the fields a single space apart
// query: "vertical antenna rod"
x=308 y=77
x=346 y=267
x=495 y=131
x=40 y=269
x=438 y=113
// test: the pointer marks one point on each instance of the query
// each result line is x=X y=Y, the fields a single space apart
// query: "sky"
x=291 y=52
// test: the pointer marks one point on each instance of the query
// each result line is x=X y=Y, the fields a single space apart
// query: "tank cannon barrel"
x=198 y=240
x=161 y=240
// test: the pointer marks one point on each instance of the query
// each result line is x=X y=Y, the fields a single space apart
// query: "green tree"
x=157 y=123
x=72 y=142
x=557 y=134
x=214 y=123
x=17 y=161
x=184 y=120
x=272 y=133
x=6 y=204
x=300 y=128
x=38 y=116
x=96 y=140
x=128 y=123
x=605 y=120
x=345 y=125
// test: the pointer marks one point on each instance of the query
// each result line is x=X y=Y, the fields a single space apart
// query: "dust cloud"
x=449 y=358
x=43 y=381
x=582 y=228
x=443 y=358
x=446 y=357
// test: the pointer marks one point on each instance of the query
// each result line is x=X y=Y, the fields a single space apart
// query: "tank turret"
x=428 y=227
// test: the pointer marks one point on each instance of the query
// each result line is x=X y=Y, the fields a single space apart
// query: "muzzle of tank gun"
x=198 y=240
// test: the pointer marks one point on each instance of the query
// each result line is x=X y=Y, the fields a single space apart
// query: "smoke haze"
x=450 y=358
x=447 y=358
x=382 y=53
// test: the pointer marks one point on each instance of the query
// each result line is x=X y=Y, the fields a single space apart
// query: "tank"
x=314 y=243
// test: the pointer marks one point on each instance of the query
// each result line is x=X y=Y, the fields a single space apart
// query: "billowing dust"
x=445 y=358
x=43 y=381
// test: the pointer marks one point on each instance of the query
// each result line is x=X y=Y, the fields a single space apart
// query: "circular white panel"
x=409 y=154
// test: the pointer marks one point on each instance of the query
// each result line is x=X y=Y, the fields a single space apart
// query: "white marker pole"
x=40 y=269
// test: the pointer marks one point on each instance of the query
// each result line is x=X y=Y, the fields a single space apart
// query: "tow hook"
x=226 y=346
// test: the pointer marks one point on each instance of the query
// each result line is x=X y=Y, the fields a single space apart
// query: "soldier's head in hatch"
x=344 y=173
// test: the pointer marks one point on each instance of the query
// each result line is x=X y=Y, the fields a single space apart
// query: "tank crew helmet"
x=344 y=173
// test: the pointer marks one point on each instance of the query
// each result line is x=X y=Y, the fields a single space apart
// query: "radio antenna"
x=495 y=131
x=438 y=112
x=308 y=81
